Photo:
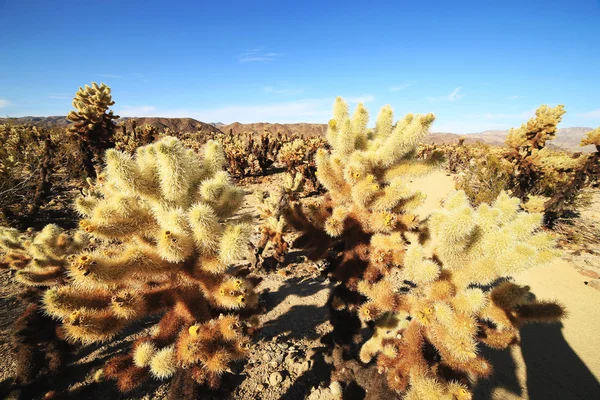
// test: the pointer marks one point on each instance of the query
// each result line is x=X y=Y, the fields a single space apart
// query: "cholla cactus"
x=432 y=315
x=272 y=212
x=540 y=172
x=368 y=205
x=27 y=161
x=298 y=156
x=39 y=263
x=249 y=154
x=41 y=260
x=487 y=176
x=129 y=140
x=526 y=142
x=534 y=134
x=419 y=282
x=175 y=217
x=366 y=174
x=587 y=172
x=592 y=138
x=93 y=123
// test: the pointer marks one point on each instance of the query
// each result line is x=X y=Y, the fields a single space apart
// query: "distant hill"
x=303 y=129
x=178 y=125
x=566 y=138
x=174 y=124
x=47 y=122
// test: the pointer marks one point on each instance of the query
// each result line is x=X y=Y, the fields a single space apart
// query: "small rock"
x=335 y=388
x=300 y=368
x=275 y=379
x=283 y=345
x=291 y=349
x=273 y=364
x=260 y=387
x=266 y=357
x=278 y=358
x=290 y=360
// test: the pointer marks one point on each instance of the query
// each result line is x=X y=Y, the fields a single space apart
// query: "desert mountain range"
x=566 y=138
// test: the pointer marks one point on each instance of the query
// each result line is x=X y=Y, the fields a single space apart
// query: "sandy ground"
x=554 y=362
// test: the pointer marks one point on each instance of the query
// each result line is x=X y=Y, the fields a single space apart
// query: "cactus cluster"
x=27 y=162
x=93 y=124
x=545 y=180
x=129 y=140
x=586 y=172
x=421 y=283
x=457 y=157
x=366 y=176
x=298 y=157
x=161 y=230
x=368 y=205
x=448 y=297
x=542 y=179
x=170 y=228
x=249 y=154
x=526 y=143
x=39 y=262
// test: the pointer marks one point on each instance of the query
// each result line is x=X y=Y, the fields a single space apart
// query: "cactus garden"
x=362 y=263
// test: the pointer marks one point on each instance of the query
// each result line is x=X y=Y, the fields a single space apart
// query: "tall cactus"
x=93 y=124
x=526 y=142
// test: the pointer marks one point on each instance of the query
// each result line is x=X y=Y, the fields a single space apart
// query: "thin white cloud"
x=111 y=76
x=138 y=111
x=305 y=110
x=258 y=54
x=4 y=103
x=514 y=97
x=274 y=90
x=590 y=114
x=402 y=87
x=453 y=96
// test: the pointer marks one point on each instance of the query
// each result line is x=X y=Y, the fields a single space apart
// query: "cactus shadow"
x=61 y=382
x=504 y=375
x=299 y=321
x=554 y=370
x=318 y=375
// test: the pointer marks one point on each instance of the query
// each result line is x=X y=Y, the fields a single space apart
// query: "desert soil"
x=553 y=362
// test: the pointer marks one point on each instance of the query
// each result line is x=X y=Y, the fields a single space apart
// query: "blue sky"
x=476 y=64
